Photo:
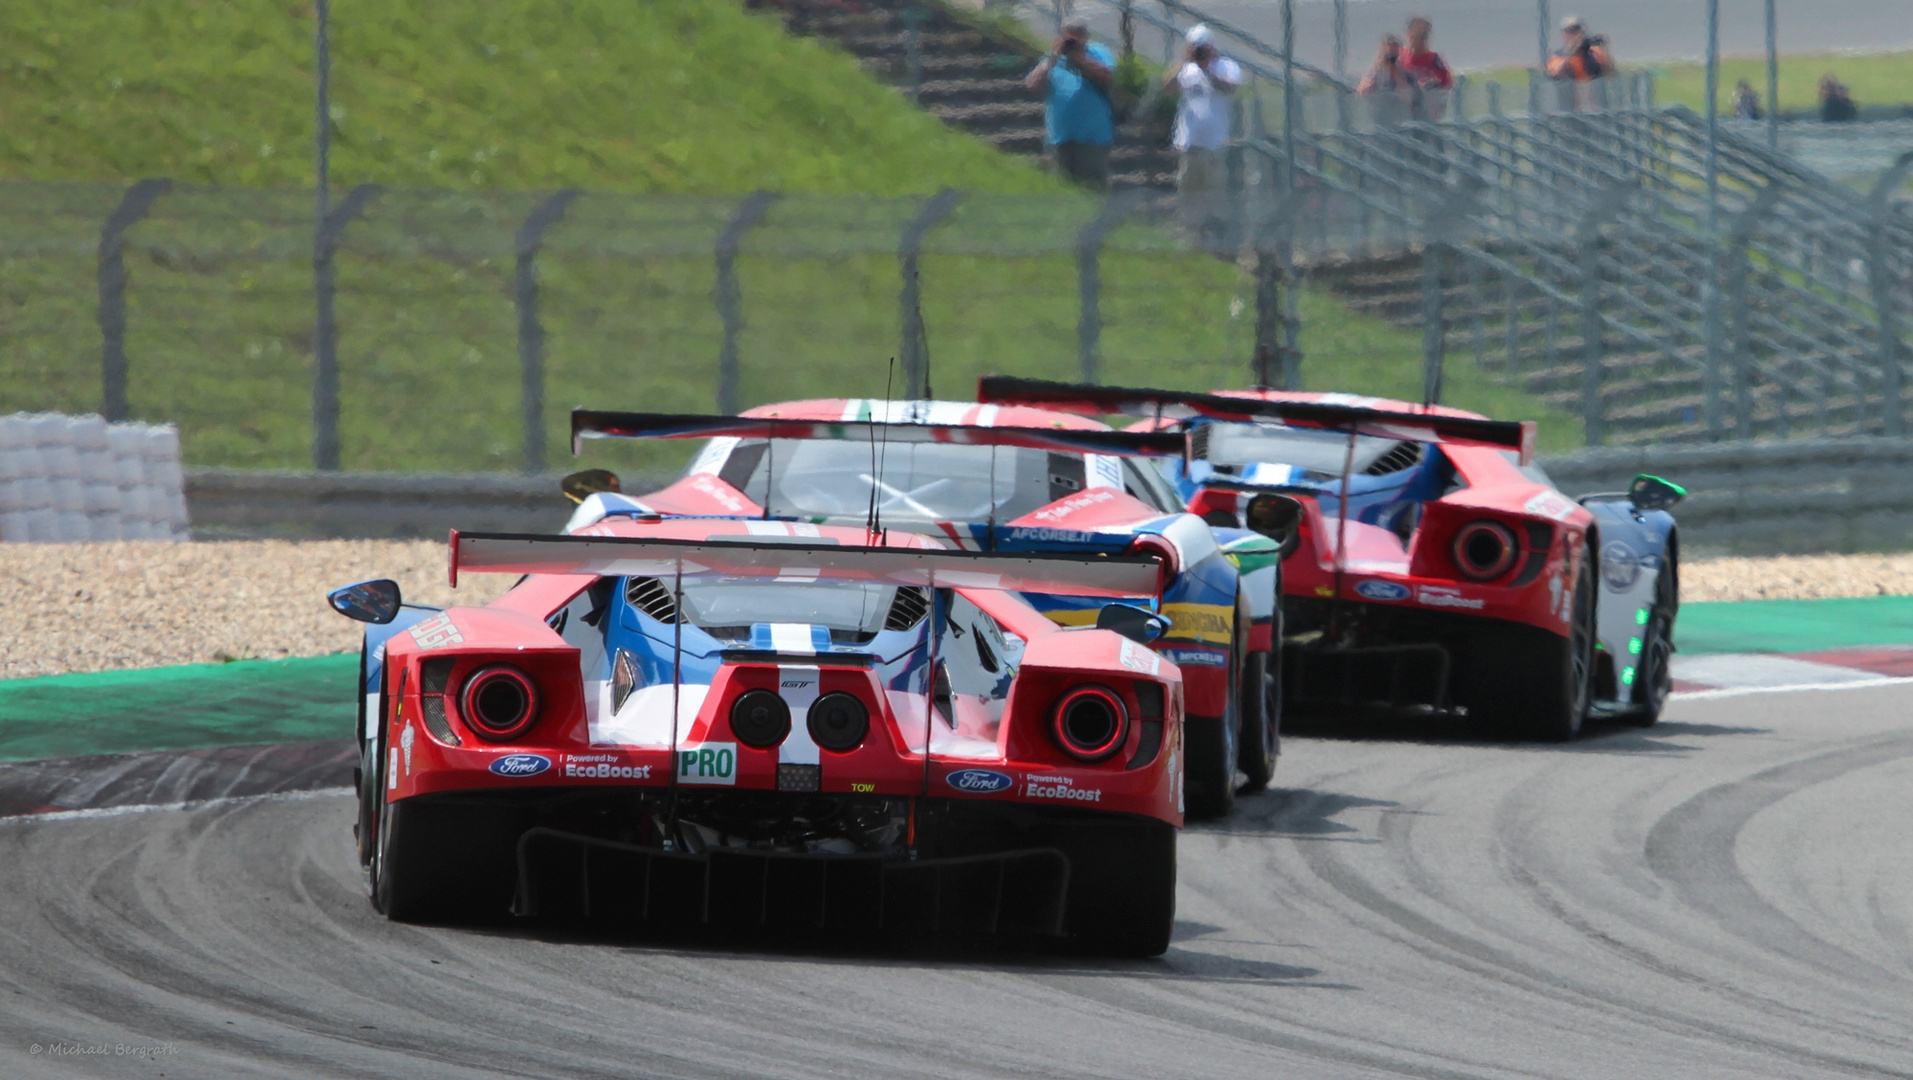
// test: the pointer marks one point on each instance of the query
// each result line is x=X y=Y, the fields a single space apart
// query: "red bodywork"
x=1207 y=686
x=889 y=762
x=1537 y=588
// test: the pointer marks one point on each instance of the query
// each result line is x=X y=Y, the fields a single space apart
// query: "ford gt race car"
x=713 y=722
x=1005 y=480
x=1439 y=570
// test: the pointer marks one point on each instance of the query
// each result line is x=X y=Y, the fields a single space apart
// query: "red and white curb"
x=1726 y=674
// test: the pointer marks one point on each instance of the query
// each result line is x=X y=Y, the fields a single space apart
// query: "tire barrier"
x=65 y=479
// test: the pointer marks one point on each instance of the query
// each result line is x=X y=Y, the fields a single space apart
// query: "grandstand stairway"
x=966 y=72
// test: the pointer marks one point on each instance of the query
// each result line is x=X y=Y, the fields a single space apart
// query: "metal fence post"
x=1089 y=278
x=112 y=284
x=531 y=333
x=1593 y=327
x=325 y=337
x=915 y=349
x=730 y=298
x=1880 y=278
x=1433 y=323
x=1740 y=265
x=1272 y=365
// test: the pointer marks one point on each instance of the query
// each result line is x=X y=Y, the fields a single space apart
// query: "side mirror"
x=585 y=483
x=368 y=601
x=1136 y=624
x=1653 y=493
x=1277 y=517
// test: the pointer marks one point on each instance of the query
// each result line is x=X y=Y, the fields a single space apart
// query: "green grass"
x=606 y=95
x=467 y=111
x=1874 y=79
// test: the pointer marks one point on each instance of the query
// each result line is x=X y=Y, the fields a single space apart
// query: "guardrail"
x=1796 y=497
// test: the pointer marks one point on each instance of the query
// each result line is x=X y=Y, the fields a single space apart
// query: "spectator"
x=1582 y=60
x=1746 y=101
x=1387 y=76
x=1204 y=85
x=1427 y=68
x=1836 y=102
x=1075 y=79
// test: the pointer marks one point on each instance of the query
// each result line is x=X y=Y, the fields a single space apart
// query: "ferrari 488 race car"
x=1439 y=569
x=711 y=722
x=1006 y=480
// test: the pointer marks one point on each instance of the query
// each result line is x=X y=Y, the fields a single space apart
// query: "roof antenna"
x=883 y=453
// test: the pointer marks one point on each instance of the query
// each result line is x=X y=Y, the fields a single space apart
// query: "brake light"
x=499 y=703
x=1090 y=723
x=1484 y=550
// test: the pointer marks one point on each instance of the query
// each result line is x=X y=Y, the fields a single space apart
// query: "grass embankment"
x=696 y=96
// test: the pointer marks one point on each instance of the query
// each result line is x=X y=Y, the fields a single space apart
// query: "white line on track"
x=1739 y=691
x=197 y=804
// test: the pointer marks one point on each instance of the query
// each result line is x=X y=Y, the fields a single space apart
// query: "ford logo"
x=1381 y=590
x=978 y=781
x=520 y=765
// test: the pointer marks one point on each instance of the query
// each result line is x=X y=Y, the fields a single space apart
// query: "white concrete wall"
x=79 y=478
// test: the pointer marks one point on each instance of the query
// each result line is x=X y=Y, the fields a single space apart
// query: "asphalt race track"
x=1729 y=894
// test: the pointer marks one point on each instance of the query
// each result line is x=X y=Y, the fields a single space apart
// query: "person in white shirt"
x=1205 y=87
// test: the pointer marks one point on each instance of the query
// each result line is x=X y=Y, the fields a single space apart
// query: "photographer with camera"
x=1204 y=87
x=1583 y=60
x=1075 y=79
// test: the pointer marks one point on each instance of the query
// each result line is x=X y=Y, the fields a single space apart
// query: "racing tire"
x=1654 y=676
x=1261 y=736
x=1122 y=887
x=445 y=862
x=1209 y=749
x=1533 y=684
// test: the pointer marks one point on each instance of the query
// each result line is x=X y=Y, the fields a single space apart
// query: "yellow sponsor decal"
x=1212 y=624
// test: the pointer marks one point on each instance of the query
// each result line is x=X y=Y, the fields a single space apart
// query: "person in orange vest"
x=1581 y=57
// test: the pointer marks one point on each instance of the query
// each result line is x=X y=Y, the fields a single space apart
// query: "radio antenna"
x=883 y=451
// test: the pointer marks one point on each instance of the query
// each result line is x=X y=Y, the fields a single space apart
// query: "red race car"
x=723 y=722
x=1435 y=569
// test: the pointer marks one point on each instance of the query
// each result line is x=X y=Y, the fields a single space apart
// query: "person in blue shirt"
x=1075 y=79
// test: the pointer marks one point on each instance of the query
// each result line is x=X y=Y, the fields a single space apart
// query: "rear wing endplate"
x=593 y=424
x=1115 y=576
x=1090 y=400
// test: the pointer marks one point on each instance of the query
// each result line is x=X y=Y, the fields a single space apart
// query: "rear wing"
x=1185 y=405
x=593 y=424
x=1115 y=576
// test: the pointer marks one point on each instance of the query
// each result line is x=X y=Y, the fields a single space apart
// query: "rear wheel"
x=445 y=861
x=1529 y=683
x=1122 y=887
x=1654 y=677
x=1261 y=696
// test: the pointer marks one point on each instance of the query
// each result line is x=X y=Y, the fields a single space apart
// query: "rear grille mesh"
x=1404 y=455
x=650 y=596
x=908 y=609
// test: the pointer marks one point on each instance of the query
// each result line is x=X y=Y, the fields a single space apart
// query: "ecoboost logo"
x=708 y=763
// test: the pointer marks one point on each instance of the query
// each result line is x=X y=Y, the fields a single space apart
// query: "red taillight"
x=1090 y=723
x=499 y=703
x=1484 y=550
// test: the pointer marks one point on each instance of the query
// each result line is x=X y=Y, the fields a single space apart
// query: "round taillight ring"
x=838 y=721
x=499 y=703
x=760 y=719
x=1090 y=723
x=1484 y=550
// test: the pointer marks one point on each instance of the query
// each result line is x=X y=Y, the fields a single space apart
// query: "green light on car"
x=1640 y=617
x=1633 y=646
x=1627 y=676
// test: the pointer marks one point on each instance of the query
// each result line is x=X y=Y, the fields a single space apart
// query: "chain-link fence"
x=468 y=324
